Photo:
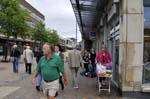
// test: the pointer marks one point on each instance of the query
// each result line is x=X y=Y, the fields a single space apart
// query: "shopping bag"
x=25 y=60
x=101 y=69
x=108 y=64
x=12 y=59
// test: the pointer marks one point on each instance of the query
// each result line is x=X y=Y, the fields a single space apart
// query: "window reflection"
x=146 y=54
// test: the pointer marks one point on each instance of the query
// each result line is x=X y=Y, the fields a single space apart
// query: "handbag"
x=25 y=59
x=108 y=64
x=12 y=59
x=12 y=56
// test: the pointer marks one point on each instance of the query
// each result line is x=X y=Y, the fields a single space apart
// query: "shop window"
x=146 y=53
x=1 y=50
x=146 y=56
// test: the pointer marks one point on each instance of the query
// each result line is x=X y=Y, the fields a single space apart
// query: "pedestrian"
x=39 y=54
x=92 y=59
x=75 y=61
x=25 y=59
x=58 y=51
x=50 y=66
x=86 y=60
x=15 y=54
x=28 y=57
x=103 y=57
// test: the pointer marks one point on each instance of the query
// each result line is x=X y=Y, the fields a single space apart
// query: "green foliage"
x=13 y=19
x=53 y=37
x=39 y=33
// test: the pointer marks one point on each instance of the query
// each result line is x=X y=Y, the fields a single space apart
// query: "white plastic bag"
x=101 y=69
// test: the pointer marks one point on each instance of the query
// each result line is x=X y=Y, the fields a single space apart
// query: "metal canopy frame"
x=88 y=14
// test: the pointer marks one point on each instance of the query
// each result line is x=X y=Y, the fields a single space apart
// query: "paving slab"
x=18 y=86
x=4 y=91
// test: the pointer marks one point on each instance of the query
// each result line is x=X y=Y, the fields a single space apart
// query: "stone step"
x=146 y=87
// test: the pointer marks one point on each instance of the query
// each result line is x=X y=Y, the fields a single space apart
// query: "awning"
x=88 y=14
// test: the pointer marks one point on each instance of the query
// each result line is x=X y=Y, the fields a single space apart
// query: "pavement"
x=18 y=86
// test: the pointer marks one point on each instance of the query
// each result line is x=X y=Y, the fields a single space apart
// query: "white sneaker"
x=86 y=74
x=76 y=87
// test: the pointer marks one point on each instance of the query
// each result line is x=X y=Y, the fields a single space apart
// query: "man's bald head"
x=47 y=49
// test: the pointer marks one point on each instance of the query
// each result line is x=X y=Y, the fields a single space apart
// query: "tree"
x=13 y=20
x=39 y=33
x=53 y=37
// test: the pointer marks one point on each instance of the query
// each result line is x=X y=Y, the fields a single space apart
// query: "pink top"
x=103 y=57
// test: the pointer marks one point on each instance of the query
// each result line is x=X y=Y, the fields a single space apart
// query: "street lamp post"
x=76 y=34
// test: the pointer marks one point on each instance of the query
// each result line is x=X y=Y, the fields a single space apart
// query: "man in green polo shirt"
x=50 y=66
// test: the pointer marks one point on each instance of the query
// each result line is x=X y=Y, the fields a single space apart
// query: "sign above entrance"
x=92 y=35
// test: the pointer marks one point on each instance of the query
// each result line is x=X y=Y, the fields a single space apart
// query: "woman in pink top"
x=103 y=57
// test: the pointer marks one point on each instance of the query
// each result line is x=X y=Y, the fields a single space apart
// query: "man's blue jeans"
x=39 y=80
x=15 y=64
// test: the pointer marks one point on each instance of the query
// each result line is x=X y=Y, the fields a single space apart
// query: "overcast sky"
x=59 y=15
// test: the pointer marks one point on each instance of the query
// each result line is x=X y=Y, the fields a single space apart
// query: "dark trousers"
x=102 y=79
x=28 y=67
x=61 y=83
x=94 y=67
x=15 y=64
x=86 y=67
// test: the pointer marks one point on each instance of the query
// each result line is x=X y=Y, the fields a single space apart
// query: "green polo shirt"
x=50 y=68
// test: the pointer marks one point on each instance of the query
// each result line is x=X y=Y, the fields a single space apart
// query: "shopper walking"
x=75 y=61
x=50 y=66
x=58 y=51
x=28 y=57
x=15 y=54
